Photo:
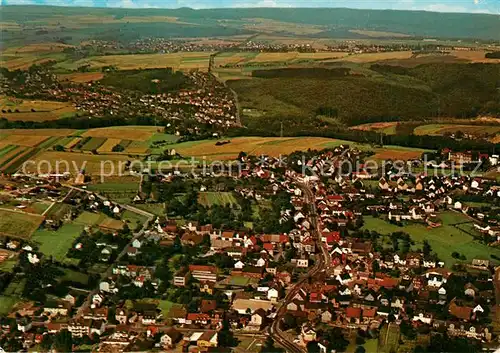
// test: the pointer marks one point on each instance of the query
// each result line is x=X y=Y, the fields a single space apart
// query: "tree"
x=426 y=249
x=58 y=148
x=63 y=341
x=360 y=349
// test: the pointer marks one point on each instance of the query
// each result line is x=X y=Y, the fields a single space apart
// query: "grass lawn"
x=443 y=240
x=8 y=265
x=239 y=281
x=134 y=220
x=388 y=339
x=88 y=218
x=74 y=276
x=57 y=244
x=7 y=303
x=15 y=288
x=17 y=224
x=165 y=306
x=157 y=209
x=371 y=346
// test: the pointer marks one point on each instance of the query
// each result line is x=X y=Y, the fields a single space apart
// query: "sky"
x=472 y=6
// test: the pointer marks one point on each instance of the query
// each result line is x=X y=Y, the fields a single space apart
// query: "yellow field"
x=371 y=57
x=24 y=140
x=271 y=26
x=108 y=145
x=43 y=110
x=272 y=146
x=21 y=62
x=93 y=164
x=270 y=57
x=38 y=132
x=379 y=34
x=134 y=133
x=145 y=61
x=49 y=47
x=82 y=77
x=73 y=142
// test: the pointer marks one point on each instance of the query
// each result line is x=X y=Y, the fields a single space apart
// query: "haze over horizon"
x=464 y=6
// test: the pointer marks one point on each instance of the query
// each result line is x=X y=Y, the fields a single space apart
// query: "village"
x=326 y=265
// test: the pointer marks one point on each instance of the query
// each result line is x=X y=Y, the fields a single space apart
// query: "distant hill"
x=327 y=22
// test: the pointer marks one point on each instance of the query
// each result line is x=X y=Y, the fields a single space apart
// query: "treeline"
x=316 y=72
x=492 y=55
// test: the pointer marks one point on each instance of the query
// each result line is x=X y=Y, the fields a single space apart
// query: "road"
x=322 y=264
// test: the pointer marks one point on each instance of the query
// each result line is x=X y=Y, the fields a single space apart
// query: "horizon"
x=440 y=6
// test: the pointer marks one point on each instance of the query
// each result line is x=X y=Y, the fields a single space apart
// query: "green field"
x=7 y=303
x=444 y=240
x=88 y=218
x=17 y=224
x=57 y=243
x=216 y=198
x=389 y=338
x=93 y=144
x=15 y=288
x=122 y=192
x=134 y=220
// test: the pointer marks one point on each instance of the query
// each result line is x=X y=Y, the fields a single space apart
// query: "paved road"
x=321 y=265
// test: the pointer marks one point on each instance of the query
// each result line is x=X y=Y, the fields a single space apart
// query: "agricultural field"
x=57 y=243
x=177 y=61
x=120 y=190
x=7 y=303
x=388 y=128
x=441 y=129
x=276 y=146
x=108 y=145
x=444 y=240
x=39 y=132
x=18 y=224
x=82 y=77
x=73 y=163
x=389 y=338
x=93 y=144
x=16 y=109
x=216 y=198
x=134 y=133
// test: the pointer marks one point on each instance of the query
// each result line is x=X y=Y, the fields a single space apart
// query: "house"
x=208 y=339
x=258 y=317
x=243 y=306
x=207 y=306
x=170 y=338
x=203 y=273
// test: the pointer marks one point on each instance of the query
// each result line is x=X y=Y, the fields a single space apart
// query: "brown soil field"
x=82 y=77
x=134 y=133
x=108 y=145
x=91 y=163
x=397 y=154
x=113 y=224
x=24 y=140
x=22 y=156
x=373 y=126
x=39 y=48
x=38 y=132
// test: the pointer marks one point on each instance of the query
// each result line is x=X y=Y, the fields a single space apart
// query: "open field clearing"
x=110 y=224
x=72 y=142
x=271 y=26
x=372 y=57
x=388 y=128
x=216 y=198
x=82 y=77
x=118 y=189
x=444 y=240
x=379 y=34
x=108 y=145
x=24 y=61
x=396 y=154
x=7 y=304
x=48 y=47
x=92 y=164
x=441 y=129
x=34 y=110
x=137 y=147
x=134 y=133
x=93 y=144
x=10 y=153
x=38 y=132
x=142 y=61
x=12 y=165
x=276 y=146
x=17 y=224
x=24 y=140
x=57 y=244
x=273 y=146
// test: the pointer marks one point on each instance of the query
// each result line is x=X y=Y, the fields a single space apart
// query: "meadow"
x=18 y=224
x=444 y=240
x=216 y=198
x=57 y=243
x=16 y=109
